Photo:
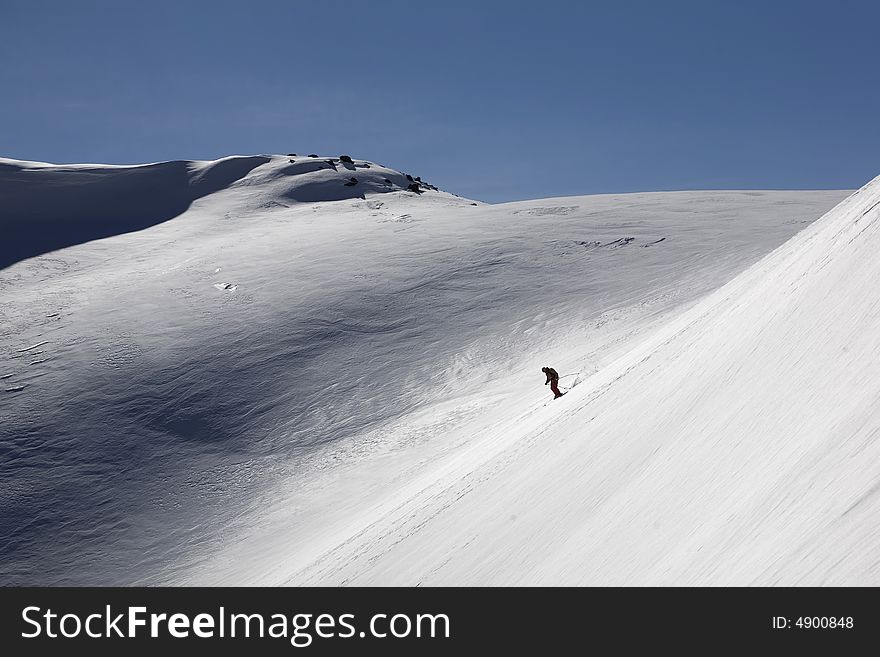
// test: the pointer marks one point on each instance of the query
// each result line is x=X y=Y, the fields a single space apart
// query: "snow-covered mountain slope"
x=267 y=380
x=737 y=445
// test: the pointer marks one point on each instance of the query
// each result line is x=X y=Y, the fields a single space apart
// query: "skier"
x=553 y=380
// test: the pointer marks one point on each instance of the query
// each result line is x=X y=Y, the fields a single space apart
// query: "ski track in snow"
x=356 y=400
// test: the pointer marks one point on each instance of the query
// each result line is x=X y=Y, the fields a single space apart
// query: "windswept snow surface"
x=737 y=445
x=290 y=380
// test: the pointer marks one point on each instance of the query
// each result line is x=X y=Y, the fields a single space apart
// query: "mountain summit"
x=51 y=206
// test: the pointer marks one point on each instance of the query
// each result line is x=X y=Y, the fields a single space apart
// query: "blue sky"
x=491 y=100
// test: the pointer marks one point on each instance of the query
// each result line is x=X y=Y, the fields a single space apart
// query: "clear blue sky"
x=491 y=100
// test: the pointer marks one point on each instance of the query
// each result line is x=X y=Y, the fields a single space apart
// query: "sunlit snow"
x=250 y=372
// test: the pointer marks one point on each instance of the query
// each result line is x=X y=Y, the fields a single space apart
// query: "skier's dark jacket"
x=552 y=375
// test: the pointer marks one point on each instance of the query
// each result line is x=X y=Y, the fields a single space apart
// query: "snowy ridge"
x=86 y=199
